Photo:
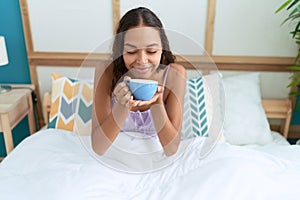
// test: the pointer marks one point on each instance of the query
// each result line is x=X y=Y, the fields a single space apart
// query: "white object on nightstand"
x=3 y=61
x=14 y=106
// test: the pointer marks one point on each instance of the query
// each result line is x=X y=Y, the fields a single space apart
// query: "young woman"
x=140 y=50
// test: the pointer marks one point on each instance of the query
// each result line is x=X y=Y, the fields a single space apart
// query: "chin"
x=146 y=75
x=142 y=76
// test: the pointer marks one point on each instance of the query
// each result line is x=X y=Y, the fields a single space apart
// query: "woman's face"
x=142 y=51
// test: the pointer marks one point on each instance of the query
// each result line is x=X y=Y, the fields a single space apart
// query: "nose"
x=142 y=58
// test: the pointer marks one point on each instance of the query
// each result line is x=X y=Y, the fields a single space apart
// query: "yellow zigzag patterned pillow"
x=71 y=105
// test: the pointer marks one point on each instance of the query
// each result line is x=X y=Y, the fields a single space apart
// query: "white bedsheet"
x=53 y=164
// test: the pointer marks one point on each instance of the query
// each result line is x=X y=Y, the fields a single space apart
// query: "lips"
x=143 y=69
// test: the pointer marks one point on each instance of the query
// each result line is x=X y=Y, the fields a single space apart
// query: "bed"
x=60 y=164
x=233 y=154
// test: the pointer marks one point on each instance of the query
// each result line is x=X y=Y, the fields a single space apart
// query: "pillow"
x=71 y=104
x=245 y=119
x=194 y=112
x=202 y=110
x=214 y=99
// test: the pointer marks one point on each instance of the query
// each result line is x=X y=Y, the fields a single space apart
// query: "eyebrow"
x=149 y=45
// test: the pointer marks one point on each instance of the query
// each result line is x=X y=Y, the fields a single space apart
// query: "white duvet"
x=55 y=164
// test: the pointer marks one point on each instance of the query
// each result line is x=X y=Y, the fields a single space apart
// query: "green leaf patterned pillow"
x=195 y=115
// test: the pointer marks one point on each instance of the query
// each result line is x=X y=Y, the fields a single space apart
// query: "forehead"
x=142 y=36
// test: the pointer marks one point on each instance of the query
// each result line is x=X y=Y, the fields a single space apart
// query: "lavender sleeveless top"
x=141 y=121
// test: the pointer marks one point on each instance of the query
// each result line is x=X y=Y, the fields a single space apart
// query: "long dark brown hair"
x=133 y=18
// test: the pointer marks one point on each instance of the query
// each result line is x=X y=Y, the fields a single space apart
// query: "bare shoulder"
x=176 y=76
x=179 y=69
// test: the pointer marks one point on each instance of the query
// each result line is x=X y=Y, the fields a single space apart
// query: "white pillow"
x=245 y=121
x=213 y=101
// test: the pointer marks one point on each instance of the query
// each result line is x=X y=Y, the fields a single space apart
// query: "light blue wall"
x=17 y=70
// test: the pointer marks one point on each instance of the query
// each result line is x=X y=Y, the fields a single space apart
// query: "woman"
x=140 y=50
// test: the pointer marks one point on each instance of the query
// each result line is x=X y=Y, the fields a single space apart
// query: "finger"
x=124 y=91
x=131 y=101
x=155 y=97
x=136 y=103
x=142 y=103
x=126 y=98
x=119 y=88
x=127 y=78
x=160 y=89
x=122 y=85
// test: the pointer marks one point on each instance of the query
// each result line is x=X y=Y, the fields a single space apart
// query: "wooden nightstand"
x=14 y=106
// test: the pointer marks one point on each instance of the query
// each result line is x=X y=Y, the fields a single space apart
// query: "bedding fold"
x=56 y=164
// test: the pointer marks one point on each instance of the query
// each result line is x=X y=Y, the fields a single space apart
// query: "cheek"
x=156 y=58
x=128 y=59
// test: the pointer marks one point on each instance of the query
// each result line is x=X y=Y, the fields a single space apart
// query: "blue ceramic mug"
x=142 y=89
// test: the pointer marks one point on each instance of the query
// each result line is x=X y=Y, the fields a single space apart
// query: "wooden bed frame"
x=278 y=109
x=275 y=109
x=75 y=59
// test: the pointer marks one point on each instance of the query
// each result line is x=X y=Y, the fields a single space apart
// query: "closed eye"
x=151 y=52
x=131 y=52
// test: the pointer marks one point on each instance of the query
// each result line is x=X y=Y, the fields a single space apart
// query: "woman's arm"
x=106 y=123
x=168 y=118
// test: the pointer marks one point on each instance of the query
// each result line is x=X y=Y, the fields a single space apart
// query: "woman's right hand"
x=123 y=94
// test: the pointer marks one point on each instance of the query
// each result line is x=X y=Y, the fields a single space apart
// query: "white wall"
x=250 y=28
x=70 y=25
x=185 y=21
x=242 y=28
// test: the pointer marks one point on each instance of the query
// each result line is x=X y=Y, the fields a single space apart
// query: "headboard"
x=274 y=109
x=221 y=33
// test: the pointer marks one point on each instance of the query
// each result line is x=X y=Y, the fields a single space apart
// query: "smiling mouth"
x=143 y=69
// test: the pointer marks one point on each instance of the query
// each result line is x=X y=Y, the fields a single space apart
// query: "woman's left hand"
x=156 y=99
